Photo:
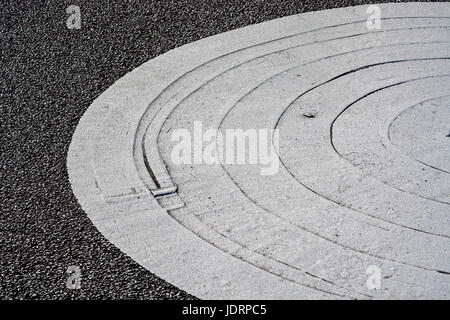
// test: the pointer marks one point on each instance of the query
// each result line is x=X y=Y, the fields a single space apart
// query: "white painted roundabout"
x=363 y=182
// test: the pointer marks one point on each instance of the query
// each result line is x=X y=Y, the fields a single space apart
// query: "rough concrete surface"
x=363 y=181
x=51 y=75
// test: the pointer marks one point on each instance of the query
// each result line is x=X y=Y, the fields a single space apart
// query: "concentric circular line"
x=348 y=106
x=368 y=66
x=370 y=150
x=323 y=58
x=293 y=68
x=330 y=80
x=305 y=92
x=397 y=116
x=244 y=192
x=119 y=176
x=144 y=126
x=312 y=190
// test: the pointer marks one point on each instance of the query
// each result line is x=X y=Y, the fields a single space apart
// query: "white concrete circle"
x=360 y=206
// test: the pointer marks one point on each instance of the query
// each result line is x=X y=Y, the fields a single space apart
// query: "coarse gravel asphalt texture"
x=50 y=76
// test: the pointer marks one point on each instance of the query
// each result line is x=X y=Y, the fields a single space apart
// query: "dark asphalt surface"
x=49 y=77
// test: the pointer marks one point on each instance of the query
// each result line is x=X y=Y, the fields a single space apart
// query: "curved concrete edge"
x=108 y=187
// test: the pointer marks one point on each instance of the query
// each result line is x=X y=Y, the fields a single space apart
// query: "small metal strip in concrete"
x=311 y=230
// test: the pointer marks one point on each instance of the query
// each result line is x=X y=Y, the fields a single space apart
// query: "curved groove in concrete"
x=225 y=231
